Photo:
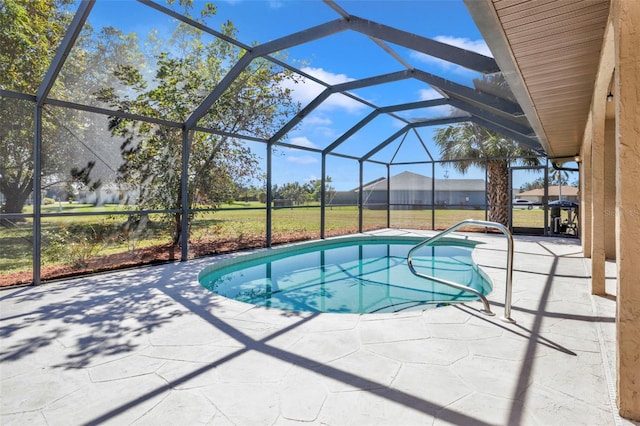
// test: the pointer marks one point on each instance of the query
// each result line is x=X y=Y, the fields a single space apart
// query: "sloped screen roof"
x=378 y=105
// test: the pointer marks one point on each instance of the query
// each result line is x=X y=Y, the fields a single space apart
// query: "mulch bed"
x=159 y=254
x=147 y=256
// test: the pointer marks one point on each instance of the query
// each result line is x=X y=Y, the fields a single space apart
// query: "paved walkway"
x=150 y=346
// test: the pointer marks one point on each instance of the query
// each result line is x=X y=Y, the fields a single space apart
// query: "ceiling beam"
x=340 y=88
x=518 y=137
x=375 y=113
x=415 y=105
x=434 y=122
x=180 y=17
x=372 y=81
x=453 y=54
x=461 y=91
x=69 y=39
x=352 y=131
x=486 y=19
x=301 y=115
x=301 y=37
x=488 y=115
x=291 y=40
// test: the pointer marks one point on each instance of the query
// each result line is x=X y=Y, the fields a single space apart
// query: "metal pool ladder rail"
x=509 y=282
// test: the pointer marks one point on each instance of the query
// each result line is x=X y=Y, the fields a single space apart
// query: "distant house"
x=409 y=190
x=569 y=193
x=109 y=193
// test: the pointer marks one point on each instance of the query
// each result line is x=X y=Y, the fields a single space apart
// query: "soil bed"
x=147 y=256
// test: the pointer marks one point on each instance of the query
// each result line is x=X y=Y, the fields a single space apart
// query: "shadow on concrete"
x=128 y=305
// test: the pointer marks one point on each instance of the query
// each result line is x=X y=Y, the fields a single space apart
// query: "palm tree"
x=468 y=144
x=560 y=176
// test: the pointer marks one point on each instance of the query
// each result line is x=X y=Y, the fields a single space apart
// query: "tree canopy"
x=468 y=144
x=307 y=192
x=555 y=176
x=187 y=69
x=167 y=78
x=30 y=32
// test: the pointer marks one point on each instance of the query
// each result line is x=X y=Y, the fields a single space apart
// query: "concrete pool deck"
x=149 y=346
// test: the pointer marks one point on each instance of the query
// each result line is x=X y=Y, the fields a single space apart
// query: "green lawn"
x=75 y=239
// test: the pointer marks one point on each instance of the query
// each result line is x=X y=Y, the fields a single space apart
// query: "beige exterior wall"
x=610 y=189
x=626 y=19
x=597 y=170
x=597 y=194
x=610 y=177
x=585 y=190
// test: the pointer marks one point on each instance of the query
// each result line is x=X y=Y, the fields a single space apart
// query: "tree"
x=555 y=176
x=31 y=32
x=468 y=144
x=295 y=192
x=536 y=184
x=316 y=192
x=560 y=177
x=247 y=193
x=187 y=69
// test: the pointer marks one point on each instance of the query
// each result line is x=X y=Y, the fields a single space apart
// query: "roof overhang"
x=549 y=53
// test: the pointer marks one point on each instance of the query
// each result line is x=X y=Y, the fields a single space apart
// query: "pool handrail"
x=509 y=280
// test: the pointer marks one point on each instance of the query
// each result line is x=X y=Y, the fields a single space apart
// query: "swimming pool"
x=360 y=274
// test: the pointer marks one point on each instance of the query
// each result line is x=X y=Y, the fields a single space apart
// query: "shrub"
x=71 y=246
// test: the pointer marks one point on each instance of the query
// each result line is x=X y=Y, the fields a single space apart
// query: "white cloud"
x=428 y=94
x=326 y=76
x=307 y=90
x=303 y=159
x=273 y=4
x=478 y=46
x=302 y=141
x=397 y=124
x=318 y=121
x=438 y=111
x=339 y=101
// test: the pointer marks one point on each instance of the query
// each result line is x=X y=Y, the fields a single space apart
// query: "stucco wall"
x=610 y=189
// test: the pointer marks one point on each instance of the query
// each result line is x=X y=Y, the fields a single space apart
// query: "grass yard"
x=74 y=243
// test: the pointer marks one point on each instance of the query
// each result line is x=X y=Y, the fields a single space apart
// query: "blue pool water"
x=356 y=275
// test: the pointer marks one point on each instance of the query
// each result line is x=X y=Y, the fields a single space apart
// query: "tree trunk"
x=177 y=227
x=498 y=191
x=15 y=199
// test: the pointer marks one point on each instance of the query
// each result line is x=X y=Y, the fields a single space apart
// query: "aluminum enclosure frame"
x=493 y=112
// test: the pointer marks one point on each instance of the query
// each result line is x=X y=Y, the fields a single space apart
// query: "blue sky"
x=339 y=58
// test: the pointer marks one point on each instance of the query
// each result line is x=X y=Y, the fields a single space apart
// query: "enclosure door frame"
x=545 y=200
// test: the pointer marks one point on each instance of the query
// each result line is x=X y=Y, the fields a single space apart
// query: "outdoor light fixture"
x=610 y=97
x=558 y=163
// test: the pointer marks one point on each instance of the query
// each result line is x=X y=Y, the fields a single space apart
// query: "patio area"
x=150 y=346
